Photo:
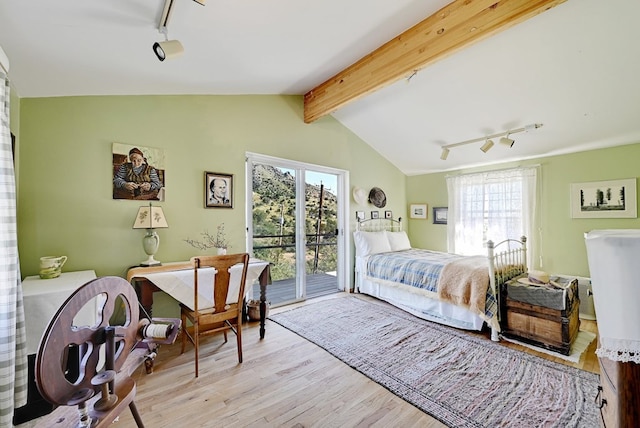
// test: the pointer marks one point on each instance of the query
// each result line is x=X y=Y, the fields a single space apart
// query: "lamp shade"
x=150 y=218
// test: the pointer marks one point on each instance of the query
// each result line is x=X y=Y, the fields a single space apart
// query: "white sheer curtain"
x=494 y=205
x=13 y=347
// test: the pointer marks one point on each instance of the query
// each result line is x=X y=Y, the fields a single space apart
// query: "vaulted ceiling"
x=467 y=69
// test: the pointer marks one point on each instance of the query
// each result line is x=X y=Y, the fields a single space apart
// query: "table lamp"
x=150 y=218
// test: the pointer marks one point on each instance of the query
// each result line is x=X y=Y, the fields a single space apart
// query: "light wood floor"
x=284 y=381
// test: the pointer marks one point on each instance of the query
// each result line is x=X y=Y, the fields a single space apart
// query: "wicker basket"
x=253 y=310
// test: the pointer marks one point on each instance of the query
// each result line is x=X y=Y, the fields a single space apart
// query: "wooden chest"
x=543 y=317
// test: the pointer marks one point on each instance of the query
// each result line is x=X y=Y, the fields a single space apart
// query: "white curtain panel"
x=13 y=342
x=494 y=205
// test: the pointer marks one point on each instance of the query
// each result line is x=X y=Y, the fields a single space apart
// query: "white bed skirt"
x=423 y=307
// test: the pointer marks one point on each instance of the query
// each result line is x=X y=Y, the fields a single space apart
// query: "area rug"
x=578 y=347
x=459 y=379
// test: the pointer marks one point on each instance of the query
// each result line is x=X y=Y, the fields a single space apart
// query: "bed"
x=454 y=290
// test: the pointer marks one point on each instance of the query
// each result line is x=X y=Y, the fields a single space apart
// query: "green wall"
x=64 y=176
x=65 y=204
x=561 y=238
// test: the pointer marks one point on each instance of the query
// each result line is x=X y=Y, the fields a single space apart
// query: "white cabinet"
x=613 y=262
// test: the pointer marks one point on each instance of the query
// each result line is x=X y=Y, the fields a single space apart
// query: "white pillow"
x=368 y=243
x=399 y=241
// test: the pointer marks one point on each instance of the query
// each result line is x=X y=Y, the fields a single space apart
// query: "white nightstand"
x=43 y=298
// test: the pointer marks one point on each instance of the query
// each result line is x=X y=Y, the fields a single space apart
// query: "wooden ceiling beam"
x=454 y=27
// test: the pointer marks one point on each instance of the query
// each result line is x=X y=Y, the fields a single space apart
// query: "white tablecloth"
x=43 y=298
x=179 y=284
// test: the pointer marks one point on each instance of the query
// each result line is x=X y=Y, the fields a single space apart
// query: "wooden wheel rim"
x=50 y=375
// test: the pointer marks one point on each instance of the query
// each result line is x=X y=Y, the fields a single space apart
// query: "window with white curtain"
x=494 y=205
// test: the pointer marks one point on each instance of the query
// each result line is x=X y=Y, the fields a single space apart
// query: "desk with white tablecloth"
x=176 y=279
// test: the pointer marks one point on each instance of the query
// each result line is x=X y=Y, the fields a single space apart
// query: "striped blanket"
x=422 y=269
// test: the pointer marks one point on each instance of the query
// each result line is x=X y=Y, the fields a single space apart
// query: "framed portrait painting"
x=138 y=172
x=218 y=190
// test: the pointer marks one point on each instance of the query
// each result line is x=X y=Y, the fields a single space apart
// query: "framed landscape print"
x=218 y=190
x=418 y=211
x=604 y=199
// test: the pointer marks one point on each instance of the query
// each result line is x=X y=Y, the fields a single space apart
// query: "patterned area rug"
x=461 y=380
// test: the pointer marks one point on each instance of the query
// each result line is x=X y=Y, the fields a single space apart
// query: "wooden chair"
x=222 y=316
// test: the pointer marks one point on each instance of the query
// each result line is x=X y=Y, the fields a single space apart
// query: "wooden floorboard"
x=284 y=381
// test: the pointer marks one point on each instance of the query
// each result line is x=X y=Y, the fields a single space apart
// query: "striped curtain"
x=13 y=343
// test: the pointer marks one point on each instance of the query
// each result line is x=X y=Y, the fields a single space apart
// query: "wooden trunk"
x=541 y=326
x=619 y=400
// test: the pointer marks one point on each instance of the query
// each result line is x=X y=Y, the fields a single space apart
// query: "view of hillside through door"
x=294 y=225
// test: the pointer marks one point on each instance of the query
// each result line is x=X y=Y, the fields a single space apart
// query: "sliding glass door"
x=295 y=223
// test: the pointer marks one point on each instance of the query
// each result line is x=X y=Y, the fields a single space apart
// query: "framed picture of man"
x=218 y=190
x=138 y=172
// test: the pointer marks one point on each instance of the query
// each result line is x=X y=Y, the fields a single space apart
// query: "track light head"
x=445 y=153
x=507 y=141
x=168 y=49
x=487 y=146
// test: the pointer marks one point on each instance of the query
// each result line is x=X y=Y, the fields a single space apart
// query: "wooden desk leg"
x=263 y=308
x=265 y=277
x=145 y=289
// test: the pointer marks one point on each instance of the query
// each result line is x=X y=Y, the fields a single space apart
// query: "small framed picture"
x=440 y=215
x=218 y=190
x=375 y=214
x=360 y=215
x=388 y=214
x=418 y=211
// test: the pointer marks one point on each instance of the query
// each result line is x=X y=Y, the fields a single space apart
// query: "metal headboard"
x=379 y=224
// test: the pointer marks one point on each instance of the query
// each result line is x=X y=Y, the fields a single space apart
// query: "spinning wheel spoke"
x=79 y=335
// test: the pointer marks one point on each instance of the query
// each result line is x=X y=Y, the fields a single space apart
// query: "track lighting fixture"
x=488 y=142
x=487 y=146
x=168 y=49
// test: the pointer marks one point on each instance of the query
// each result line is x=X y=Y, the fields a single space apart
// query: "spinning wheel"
x=116 y=340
